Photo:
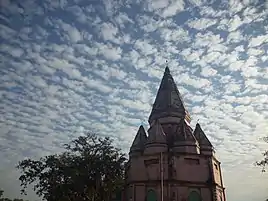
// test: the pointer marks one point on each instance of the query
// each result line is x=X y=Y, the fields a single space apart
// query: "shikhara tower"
x=173 y=162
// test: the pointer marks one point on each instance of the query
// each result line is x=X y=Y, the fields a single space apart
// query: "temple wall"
x=185 y=168
x=140 y=192
x=191 y=168
x=175 y=193
x=192 y=172
x=152 y=149
x=206 y=194
x=137 y=171
x=220 y=195
x=216 y=172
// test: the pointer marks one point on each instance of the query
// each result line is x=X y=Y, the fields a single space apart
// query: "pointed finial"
x=197 y=124
x=167 y=69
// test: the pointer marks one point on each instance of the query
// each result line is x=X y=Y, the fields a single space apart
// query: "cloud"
x=175 y=35
x=69 y=67
x=202 y=23
x=256 y=41
x=157 y=4
x=234 y=23
x=108 y=31
x=71 y=34
x=145 y=47
x=235 y=6
x=173 y=8
x=208 y=72
x=109 y=52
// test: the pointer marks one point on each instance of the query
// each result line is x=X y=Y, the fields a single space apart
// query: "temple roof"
x=168 y=101
x=140 y=140
x=201 y=136
x=185 y=133
x=156 y=134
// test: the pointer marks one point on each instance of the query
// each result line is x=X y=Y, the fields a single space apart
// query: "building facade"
x=172 y=162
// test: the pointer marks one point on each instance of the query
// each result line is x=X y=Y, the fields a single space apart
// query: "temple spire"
x=139 y=141
x=167 y=68
x=201 y=136
x=167 y=71
x=168 y=102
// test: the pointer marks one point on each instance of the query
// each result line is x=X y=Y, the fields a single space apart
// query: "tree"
x=264 y=162
x=90 y=169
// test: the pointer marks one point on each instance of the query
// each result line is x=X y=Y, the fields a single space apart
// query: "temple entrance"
x=194 y=196
x=151 y=195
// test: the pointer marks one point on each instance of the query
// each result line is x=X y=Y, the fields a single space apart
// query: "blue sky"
x=71 y=66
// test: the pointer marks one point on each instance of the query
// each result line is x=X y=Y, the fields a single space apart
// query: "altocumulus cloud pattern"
x=71 y=66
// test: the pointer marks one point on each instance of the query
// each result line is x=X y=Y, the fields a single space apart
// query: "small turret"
x=138 y=144
x=206 y=147
x=184 y=139
x=156 y=141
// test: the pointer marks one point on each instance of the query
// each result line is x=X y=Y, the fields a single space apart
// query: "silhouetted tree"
x=90 y=169
x=264 y=162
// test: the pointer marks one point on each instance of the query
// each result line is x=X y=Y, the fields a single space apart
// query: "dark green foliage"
x=90 y=169
x=264 y=162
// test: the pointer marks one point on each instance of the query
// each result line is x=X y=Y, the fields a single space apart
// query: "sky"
x=73 y=66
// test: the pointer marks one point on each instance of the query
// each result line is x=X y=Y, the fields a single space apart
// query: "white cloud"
x=255 y=52
x=123 y=19
x=108 y=31
x=175 y=35
x=157 y=4
x=13 y=51
x=72 y=32
x=235 y=36
x=208 y=72
x=145 y=47
x=109 y=52
x=257 y=41
x=174 y=7
x=232 y=87
x=207 y=39
x=235 y=6
x=193 y=81
x=212 y=56
x=235 y=23
x=202 y=23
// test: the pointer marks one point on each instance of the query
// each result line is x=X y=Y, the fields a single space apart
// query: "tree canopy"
x=91 y=169
x=264 y=162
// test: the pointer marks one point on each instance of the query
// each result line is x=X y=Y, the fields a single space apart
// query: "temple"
x=172 y=162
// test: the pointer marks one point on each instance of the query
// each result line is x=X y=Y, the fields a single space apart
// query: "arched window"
x=151 y=195
x=194 y=196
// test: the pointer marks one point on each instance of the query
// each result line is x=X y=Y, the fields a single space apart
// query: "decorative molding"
x=177 y=182
x=151 y=161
